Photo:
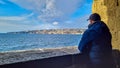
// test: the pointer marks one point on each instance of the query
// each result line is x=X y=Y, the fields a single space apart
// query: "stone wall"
x=110 y=13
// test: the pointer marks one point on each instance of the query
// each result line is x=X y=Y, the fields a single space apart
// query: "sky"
x=24 y=15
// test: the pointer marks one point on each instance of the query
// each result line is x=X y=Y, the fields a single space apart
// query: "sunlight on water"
x=9 y=42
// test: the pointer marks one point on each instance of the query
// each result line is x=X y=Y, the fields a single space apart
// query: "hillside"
x=52 y=31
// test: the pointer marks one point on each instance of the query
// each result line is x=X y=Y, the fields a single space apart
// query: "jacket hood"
x=98 y=26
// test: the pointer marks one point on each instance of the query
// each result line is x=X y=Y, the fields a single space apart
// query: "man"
x=96 y=45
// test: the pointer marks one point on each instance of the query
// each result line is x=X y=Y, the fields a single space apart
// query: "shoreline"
x=10 y=57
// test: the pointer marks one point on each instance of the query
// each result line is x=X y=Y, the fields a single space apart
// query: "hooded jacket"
x=96 y=42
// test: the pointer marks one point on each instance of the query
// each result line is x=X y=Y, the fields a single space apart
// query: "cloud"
x=55 y=23
x=82 y=22
x=12 y=18
x=46 y=14
x=8 y=24
x=24 y=22
x=11 y=27
x=17 y=23
x=50 y=10
x=16 y=18
x=46 y=26
x=76 y=23
x=23 y=19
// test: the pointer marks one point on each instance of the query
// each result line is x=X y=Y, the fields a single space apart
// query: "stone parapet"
x=11 y=57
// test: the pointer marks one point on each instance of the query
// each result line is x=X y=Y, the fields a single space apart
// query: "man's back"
x=96 y=44
x=101 y=43
x=96 y=38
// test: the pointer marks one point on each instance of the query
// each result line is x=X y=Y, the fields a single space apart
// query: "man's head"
x=94 y=17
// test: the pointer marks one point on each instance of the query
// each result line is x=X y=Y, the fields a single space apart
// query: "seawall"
x=28 y=55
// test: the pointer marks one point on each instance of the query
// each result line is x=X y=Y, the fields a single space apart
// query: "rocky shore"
x=27 y=55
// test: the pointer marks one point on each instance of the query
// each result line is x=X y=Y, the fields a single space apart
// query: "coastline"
x=9 y=57
x=51 y=31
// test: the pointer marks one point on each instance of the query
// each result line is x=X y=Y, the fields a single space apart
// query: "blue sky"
x=20 y=15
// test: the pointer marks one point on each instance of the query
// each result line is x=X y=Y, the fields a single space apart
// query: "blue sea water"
x=9 y=42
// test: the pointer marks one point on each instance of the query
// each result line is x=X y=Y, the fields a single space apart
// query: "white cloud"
x=17 y=19
x=82 y=22
x=77 y=23
x=11 y=27
x=50 y=10
x=17 y=23
x=45 y=26
x=14 y=18
x=55 y=23
x=46 y=14
x=24 y=22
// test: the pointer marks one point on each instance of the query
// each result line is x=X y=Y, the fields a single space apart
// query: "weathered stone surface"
x=110 y=13
x=27 y=55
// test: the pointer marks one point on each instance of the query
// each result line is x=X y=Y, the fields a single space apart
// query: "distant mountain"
x=51 y=31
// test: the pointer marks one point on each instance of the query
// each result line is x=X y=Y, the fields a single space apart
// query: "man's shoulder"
x=89 y=31
x=97 y=27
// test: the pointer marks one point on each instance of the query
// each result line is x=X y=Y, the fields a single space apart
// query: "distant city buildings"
x=52 y=31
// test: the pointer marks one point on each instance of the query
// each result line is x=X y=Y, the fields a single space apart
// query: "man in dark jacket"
x=96 y=44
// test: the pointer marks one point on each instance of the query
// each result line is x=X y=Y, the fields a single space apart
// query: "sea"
x=14 y=42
